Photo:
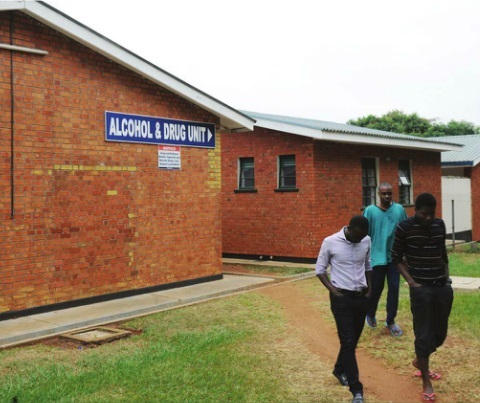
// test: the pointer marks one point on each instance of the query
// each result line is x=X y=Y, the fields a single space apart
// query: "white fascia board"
x=391 y=142
x=11 y=5
x=359 y=138
x=229 y=117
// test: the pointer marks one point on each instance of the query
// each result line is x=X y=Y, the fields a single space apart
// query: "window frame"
x=369 y=192
x=244 y=164
x=284 y=162
x=405 y=182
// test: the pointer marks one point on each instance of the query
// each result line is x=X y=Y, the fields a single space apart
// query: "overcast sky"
x=329 y=60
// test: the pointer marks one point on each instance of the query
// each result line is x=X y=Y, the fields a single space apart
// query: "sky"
x=331 y=60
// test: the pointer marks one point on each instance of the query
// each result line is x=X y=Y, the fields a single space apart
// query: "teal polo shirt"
x=382 y=225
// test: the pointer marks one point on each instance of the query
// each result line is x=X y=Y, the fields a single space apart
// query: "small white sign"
x=169 y=157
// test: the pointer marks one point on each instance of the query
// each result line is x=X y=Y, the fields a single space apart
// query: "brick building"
x=458 y=168
x=82 y=218
x=292 y=182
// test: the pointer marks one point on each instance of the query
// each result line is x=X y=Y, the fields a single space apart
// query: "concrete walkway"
x=35 y=327
x=466 y=283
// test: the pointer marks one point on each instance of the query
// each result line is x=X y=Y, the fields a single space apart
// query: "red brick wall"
x=92 y=217
x=330 y=191
x=267 y=222
x=475 y=186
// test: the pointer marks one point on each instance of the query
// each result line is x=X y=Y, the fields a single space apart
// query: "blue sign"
x=152 y=130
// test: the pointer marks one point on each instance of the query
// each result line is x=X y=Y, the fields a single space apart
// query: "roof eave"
x=391 y=142
x=230 y=118
x=354 y=138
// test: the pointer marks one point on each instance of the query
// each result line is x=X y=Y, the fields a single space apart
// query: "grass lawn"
x=235 y=349
x=217 y=351
x=464 y=264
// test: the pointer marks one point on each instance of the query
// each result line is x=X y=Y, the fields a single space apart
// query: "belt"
x=436 y=283
x=353 y=293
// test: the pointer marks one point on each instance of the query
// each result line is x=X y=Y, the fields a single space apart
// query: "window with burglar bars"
x=404 y=182
x=246 y=177
x=369 y=181
x=287 y=173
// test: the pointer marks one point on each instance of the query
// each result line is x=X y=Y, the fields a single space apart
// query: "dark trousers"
x=380 y=273
x=431 y=307
x=349 y=313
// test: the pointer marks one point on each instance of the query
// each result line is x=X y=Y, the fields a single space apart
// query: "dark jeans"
x=349 y=313
x=430 y=306
x=378 y=283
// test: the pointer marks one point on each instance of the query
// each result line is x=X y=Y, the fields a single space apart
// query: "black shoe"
x=341 y=378
x=357 y=398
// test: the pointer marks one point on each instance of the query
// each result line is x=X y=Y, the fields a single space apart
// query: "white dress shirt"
x=348 y=261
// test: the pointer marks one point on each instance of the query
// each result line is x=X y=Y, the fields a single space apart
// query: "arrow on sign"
x=210 y=135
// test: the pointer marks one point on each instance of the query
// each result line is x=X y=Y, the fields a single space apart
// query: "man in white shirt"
x=347 y=252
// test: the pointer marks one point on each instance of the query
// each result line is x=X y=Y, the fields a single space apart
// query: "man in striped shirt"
x=420 y=255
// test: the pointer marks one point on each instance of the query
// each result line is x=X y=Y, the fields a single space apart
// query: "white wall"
x=457 y=189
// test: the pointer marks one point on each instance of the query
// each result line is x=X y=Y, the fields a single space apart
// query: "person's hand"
x=369 y=293
x=414 y=284
x=336 y=293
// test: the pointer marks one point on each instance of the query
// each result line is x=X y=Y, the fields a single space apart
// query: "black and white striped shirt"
x=423 y=247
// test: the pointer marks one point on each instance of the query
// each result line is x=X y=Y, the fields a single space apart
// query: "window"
x=369 y=181
x=404 y=182
x=287 y=172
x=246 y=177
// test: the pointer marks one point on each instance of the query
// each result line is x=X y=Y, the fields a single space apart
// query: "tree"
x=452 y=128
x=399 y=122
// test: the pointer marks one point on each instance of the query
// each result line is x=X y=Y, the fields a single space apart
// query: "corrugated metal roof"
x=345 y=128
x=468 y=156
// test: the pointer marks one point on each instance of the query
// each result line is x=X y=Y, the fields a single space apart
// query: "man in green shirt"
x=384 y=218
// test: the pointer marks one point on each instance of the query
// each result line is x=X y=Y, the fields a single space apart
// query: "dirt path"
x=321 y=339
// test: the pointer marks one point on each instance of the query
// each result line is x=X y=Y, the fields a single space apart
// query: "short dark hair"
x=425 y=200
x=360 y=222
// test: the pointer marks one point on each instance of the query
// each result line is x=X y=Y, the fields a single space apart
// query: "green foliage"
x=452 y=128
x=394 y=121
x=398 y=122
